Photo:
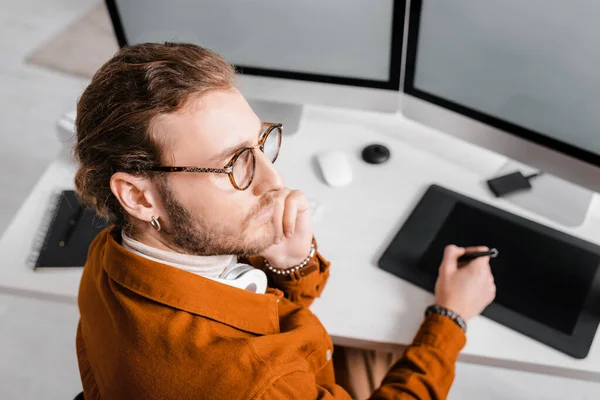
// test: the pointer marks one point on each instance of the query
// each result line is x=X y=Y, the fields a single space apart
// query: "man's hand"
x=293 y=230
x=466 y=290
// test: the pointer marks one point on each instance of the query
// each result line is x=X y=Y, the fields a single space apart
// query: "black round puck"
x=375 y=154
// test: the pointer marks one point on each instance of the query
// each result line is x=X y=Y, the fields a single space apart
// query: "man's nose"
x=266 y=177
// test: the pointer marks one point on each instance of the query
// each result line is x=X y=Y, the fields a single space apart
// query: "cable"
x=534 y=175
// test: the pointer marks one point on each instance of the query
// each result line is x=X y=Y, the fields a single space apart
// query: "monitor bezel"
x=393 y=83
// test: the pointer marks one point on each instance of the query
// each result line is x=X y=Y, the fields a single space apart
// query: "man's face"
x=203 y=213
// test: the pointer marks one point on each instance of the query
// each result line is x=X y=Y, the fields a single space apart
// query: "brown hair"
x=116 y=111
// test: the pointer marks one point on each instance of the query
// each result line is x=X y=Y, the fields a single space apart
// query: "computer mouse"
x=335 y=168
x=376 y=154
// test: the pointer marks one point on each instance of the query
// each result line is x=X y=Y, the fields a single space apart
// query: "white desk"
x=362 y=305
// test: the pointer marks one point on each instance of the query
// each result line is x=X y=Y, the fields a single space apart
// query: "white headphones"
x=246 y=277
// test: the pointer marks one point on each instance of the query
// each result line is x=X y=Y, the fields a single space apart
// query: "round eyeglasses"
x=242 y=166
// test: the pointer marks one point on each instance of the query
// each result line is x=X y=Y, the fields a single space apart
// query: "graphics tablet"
x=548 y=284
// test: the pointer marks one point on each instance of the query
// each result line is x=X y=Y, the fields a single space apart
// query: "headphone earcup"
x=246 y=277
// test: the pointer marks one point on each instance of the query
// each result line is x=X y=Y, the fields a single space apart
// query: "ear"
x=137 y=195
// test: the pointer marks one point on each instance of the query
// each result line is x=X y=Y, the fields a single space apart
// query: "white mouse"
x=335 y=168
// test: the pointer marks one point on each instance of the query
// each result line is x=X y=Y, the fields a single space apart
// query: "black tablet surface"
x=548 y=284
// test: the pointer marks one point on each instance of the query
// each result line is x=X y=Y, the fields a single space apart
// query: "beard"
x=193 y=235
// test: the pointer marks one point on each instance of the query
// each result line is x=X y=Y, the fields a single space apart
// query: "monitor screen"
x=529 y=68
x=354 y=42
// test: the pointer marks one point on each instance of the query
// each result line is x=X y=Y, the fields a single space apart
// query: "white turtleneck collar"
x=211 y=267
x=206 y=266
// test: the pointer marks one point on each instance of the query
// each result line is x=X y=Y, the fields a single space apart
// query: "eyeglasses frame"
x=228 y=168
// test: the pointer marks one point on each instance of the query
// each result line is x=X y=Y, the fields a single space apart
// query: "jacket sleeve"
x=425 y=371
x=302 y=286
x=301 y=385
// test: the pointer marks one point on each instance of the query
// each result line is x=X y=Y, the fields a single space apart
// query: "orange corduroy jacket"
x=152 y=331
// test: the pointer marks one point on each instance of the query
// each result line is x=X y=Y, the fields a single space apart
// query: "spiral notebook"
x=66 y=236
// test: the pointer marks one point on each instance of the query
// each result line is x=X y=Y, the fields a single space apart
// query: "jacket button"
x=328 y=355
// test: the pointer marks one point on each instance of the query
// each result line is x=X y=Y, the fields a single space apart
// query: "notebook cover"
x=75 y=250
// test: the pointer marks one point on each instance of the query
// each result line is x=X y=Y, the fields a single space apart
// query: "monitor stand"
x=286 y=113
x=552 y=197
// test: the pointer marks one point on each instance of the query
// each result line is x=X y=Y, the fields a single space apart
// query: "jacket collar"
x=244 y=310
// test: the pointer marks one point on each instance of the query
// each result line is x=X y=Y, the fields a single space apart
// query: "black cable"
x=534 y=175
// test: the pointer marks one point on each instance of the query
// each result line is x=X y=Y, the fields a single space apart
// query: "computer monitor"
x=519 y=78
x=344 y=53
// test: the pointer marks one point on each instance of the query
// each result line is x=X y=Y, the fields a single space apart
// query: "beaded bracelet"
x=288 y=271
x=457 y=319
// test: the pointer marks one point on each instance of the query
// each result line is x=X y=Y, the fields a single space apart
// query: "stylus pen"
x=493 y=253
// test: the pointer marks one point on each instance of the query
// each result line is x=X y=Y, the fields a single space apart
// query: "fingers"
x=479 y=265
x=491 y=289
x=289 y=215
x=476 y=248
x=453 y=252
x=287 y=208
x=481 y=271
x=479 y=260
x=278 y=217
x=451 y=255
x=295 y=203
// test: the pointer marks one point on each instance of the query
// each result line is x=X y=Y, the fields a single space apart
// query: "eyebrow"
x=232 y=149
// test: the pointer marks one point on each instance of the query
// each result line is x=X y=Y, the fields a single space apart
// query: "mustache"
x=265 y=202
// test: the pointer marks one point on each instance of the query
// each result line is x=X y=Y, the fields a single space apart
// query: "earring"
x=155 y=224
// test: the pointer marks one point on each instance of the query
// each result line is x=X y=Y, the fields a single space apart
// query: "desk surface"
x=362 y=305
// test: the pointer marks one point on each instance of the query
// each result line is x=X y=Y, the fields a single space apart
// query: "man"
x=172 y=154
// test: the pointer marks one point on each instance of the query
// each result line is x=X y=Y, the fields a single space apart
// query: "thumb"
x=450 y=260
